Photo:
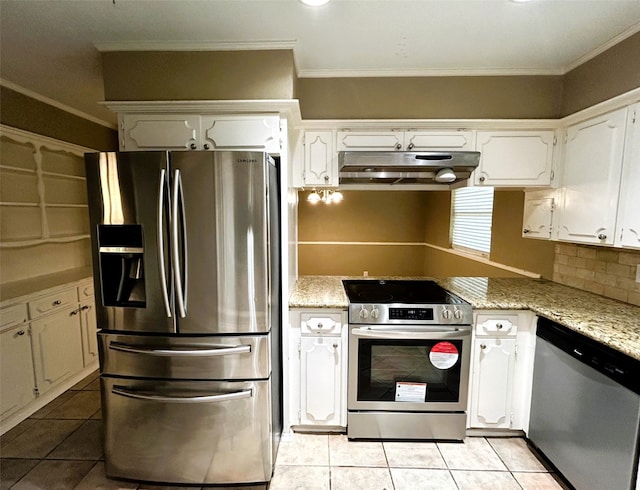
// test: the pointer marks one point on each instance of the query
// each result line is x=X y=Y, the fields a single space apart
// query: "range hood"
x=406 y=168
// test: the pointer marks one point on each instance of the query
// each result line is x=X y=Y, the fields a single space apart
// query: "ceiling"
x=51 y=48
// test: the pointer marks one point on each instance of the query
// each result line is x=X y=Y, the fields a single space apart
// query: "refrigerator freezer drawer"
x=219 y=357
x=187 y=432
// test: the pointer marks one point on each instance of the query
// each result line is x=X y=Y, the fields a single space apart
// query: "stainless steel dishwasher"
x=585 y=409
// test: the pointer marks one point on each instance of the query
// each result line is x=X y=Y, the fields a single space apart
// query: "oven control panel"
x=381 y=314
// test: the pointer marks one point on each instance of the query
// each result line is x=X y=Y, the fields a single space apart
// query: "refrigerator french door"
x=186 y=270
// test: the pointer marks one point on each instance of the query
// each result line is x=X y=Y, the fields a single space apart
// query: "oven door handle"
x=403 y=334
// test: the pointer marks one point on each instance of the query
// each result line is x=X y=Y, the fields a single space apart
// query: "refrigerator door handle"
x=178 y=199
x=163 y=271
x=222 y=350
x=122 y=391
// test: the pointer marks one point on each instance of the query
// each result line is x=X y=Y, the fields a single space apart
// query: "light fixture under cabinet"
x=327 y=196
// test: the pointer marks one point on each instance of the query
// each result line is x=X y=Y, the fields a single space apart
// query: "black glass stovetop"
x=396 y=291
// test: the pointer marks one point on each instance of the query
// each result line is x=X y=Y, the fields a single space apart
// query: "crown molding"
x=602 y=48
x=194 y=45
x=54 y=103
x=453 y=72
x=288 y=108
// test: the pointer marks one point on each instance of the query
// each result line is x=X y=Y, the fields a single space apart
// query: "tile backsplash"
x=606 y=271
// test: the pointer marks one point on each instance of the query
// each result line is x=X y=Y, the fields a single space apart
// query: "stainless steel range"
x=409 y=351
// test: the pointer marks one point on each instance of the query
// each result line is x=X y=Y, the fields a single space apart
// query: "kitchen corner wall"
x=606 y=271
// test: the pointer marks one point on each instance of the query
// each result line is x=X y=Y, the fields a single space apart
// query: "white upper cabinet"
x=320 y=159
x=591 y=179
x=404 y=140
x=628 y=234
x=160 y=132
x=538 y=214
x=260 y=133
x=515 y=158
x=200 y=132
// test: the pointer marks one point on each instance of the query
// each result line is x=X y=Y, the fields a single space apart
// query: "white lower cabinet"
x=57 y=348
x=501 y=370
x=16 y=370
x=320 y=381
x=89 y=331
x=48 y=342
x=317 y=371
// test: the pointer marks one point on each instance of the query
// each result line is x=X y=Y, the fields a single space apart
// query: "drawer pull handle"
x=119 y=390
x=20 y=332
x=56 y=303
x=222 y=350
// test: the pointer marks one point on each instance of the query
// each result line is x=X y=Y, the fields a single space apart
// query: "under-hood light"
x=445 y=175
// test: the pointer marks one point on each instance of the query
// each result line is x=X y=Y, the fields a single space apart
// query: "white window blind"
x=472 y=209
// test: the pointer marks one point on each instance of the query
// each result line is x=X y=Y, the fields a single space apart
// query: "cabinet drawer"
x=495 y=325
x=85 y=291
x=52 y=302
x=13 y=315
x=321 y=323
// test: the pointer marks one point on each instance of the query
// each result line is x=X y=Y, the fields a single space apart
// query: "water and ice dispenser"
x=121 y=249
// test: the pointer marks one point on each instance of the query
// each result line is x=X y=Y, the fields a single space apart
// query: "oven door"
x=408 y=368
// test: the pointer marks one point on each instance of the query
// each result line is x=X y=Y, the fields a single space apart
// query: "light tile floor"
x=60 y=447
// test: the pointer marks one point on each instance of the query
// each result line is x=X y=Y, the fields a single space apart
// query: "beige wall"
x=612 y=73
x=430 y=97
x=200 y=75
x=22 y=112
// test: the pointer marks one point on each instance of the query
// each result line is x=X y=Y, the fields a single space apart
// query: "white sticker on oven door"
x=410 y=392
x=444 y=355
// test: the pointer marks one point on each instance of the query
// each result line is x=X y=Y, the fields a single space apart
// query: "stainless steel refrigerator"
x=187 y=278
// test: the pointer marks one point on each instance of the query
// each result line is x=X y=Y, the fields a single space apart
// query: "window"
x=471 y=212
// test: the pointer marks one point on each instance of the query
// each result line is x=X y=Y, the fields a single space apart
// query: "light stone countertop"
x=606 y=320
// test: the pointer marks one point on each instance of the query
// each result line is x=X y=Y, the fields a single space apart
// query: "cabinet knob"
x=319 y=325
x=398 y=146
x=499 y=326
x=20 y=332
x=56 y=303
x=602 y=236
x=193 y=146
x=74 y=312
x=326 y=178
x=207 y=146
x=410 y=146
x=85 y=308
x=483 y=346
x=526 y=230
x=335 y=346
x=482 y=179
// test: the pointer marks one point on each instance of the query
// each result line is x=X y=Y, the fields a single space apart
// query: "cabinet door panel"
x=537 y=217
x=370 y=140
x=161 y=132
x=591 y=179
x=629 y=208
x=242 y=133
x=320 y=380
x=89 y=333
x=436 y=140
x=57 y=348
x=494 y=364
x=16 y=370
x=515 y=158
x=320 y=159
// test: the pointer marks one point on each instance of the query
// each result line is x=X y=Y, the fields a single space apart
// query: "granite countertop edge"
x=605 y=320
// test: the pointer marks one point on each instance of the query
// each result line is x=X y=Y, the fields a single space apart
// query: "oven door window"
x=409 y=370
